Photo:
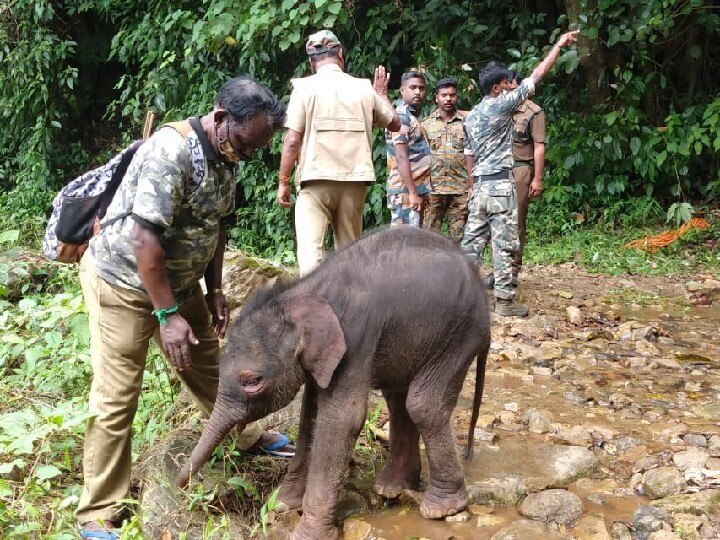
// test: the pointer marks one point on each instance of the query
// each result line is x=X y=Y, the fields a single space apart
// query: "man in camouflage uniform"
x=408 y=156
x=163 y=232
x=528 y=161
x=450 y=182
x=488 y=150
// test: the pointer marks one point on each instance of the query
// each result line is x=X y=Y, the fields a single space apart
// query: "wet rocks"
x=538 y=421
x=575 y=315
x=554 y=505
x=695 y=439
x=713 y=445
x=497 y=491
x=663 y=481
x=571 y=463
x=619 y=445
x=620 y=531
x=710 y=411
x=666 y=432
x=702 y=502
x=575 y=436
x=648 y=519
x=690 y=459
x=357 y=529
x=591 y=528
x=523 y=529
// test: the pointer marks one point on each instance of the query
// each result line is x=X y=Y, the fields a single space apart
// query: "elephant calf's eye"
x=252 y=381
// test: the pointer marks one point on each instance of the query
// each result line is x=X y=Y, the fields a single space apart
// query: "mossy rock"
x=24 y=272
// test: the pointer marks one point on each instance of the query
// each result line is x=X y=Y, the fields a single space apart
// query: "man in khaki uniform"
x=528 y=161
x=164 y=232
x=329 y=136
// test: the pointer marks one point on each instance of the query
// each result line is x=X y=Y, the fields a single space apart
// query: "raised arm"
x=380 y=84
x=547 y=63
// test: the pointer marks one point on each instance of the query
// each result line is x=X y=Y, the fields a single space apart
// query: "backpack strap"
x=116 y=178
x=183 y=127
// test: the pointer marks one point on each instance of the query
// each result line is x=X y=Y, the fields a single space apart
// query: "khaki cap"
x=321 y=42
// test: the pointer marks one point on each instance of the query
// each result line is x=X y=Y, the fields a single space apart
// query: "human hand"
x=536 y=188
x=176 y=337
x=381 y=80
x=220 y=311
x=568 y=38
x=283 y=195
x=416 y=202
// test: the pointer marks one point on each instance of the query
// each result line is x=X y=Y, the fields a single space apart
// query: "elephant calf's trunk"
x=218 y=425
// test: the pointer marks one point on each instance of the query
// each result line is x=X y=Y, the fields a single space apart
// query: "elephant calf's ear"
x=323 y=341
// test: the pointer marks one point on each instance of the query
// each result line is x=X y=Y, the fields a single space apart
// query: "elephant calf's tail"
x=477 y=399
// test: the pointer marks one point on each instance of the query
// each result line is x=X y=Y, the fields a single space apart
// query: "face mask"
x=226 y=149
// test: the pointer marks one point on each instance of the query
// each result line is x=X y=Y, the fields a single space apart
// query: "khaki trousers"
x=321 y=203
x=121 y=326
x=523 y=177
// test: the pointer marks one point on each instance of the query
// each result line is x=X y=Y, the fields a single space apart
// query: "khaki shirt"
x=446 y=139
x=528 y=128
x=335 y=112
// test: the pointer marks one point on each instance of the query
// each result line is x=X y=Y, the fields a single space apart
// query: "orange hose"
x=653 y=243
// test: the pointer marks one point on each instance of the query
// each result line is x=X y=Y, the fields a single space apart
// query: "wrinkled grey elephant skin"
x=402 y=310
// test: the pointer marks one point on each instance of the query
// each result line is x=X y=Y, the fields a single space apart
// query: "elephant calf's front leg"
x=292 y=490
x=337 y=428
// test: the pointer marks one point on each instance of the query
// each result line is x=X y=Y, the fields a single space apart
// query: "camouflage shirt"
x=446 y=140
x=411 y=133
x=488 y=130
x=179 y=187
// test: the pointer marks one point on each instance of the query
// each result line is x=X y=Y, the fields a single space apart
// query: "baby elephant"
x=402 y=310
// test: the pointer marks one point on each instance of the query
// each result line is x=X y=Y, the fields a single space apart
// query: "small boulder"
x=663 y=481
x=591 y=528
x=648 y=519
x=694 y=458
x=575 y=315
x=524 y=529
x=553 y=505
x=538 y=421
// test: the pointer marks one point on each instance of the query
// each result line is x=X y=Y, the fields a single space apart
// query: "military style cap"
x=321 y=42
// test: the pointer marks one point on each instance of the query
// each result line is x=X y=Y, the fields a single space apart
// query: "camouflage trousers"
x=401 y=213
x=492 y=218
x=450 y=206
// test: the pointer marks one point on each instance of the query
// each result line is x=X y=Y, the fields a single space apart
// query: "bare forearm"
x=538 y=161
x=544 y=67
x=290 y=152
x=546 y=64
x=403 y=165
x=394 y=125
x=213 y=273
x=469 y=165
x=150 y=258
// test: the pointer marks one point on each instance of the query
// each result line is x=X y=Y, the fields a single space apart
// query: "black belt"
x=502 y=175
x=523 y=163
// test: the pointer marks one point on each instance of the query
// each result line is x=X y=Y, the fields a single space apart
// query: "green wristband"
x=162 y=314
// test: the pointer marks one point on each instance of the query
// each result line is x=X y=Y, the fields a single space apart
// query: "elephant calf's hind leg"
x=446 y=494
x=402 y=470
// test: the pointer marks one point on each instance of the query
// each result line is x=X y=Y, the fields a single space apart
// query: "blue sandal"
x=274 y=448
x=98 y=534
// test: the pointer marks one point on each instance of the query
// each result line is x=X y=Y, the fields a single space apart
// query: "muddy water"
x=633 y=379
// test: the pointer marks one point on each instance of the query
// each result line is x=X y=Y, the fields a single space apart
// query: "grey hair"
x=245 y=98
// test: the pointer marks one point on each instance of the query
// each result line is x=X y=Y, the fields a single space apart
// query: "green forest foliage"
x=634 y=110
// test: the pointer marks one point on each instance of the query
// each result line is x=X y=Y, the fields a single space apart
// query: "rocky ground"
x=601 y=420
